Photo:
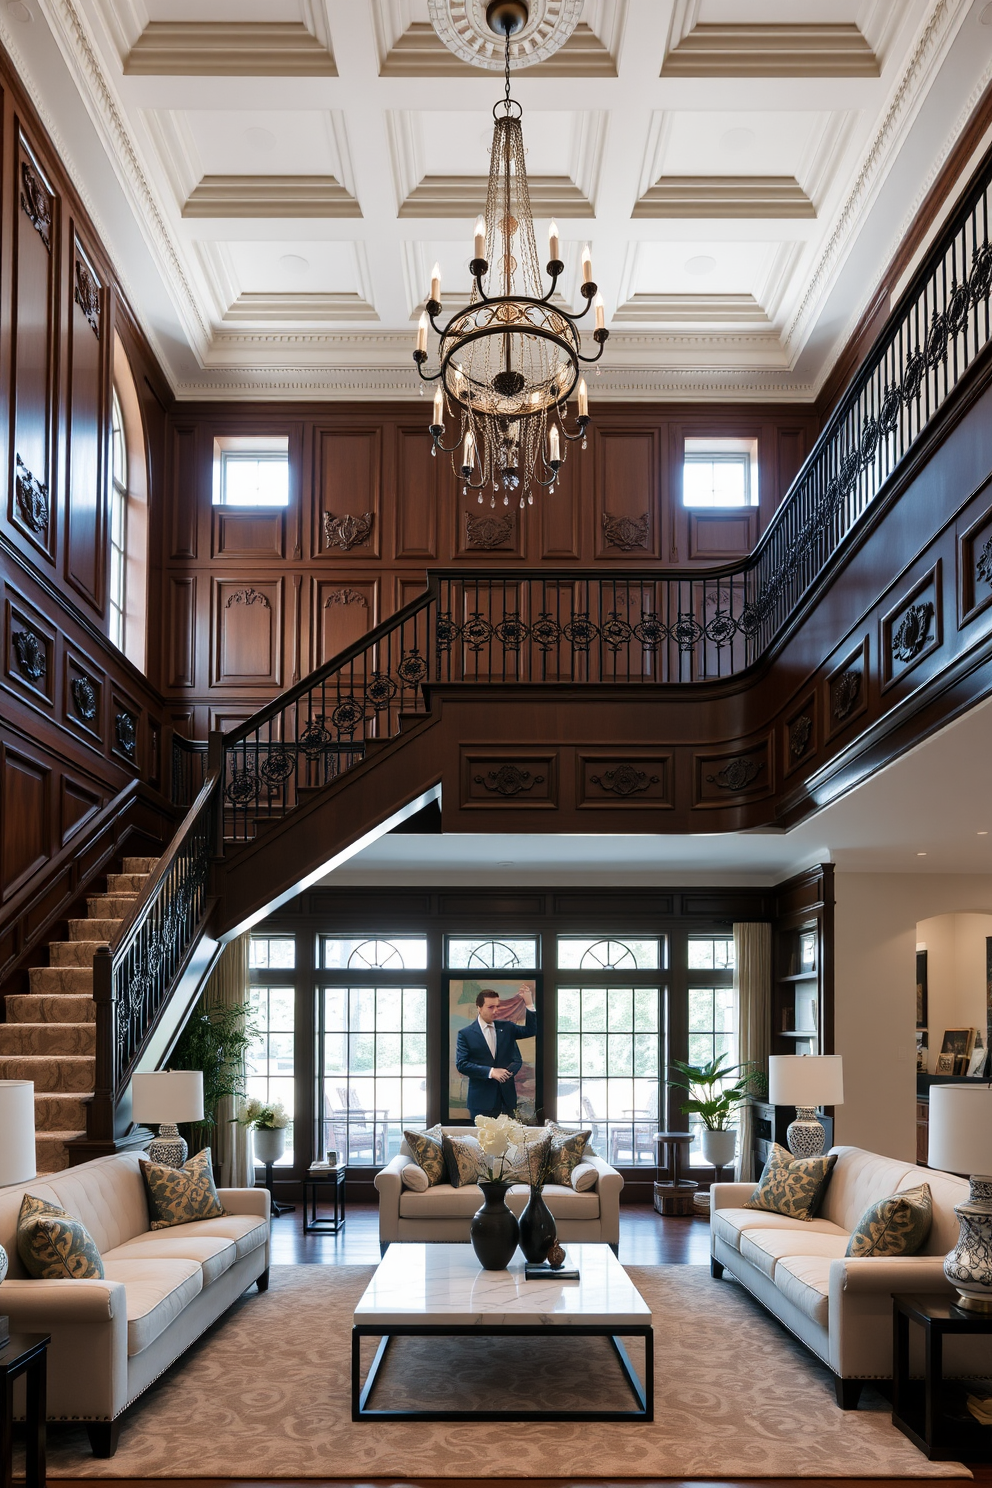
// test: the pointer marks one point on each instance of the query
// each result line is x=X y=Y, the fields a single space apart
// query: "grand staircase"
x=50 y=1033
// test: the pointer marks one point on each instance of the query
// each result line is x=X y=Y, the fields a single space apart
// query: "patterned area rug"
x=266 y=1394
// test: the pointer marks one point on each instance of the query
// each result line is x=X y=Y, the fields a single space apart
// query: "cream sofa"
x=445 y=1213
x=163 y=1288
x=842 y=1308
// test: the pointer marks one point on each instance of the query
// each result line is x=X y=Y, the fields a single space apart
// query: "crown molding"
x=725 y=196
x=420 y=52
x=674 y=309
x=250 y=308
x=465 y=196
x=270 y=196
x=228 y=49
x=805 y=50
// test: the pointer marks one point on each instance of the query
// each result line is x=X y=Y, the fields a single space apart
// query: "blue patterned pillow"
x=793 y=1186
x=894 y=1226
x=181 y=1195
x=55 y=1245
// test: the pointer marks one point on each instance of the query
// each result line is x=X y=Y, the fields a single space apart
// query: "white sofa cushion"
x=444 y=1202
x=109 y=1198
x=766 y=1248
x=246 y=1231
x=861 y=1178
x=157 y=1291
x=731 y=1224
x=213 y=1254
x=805 y=1281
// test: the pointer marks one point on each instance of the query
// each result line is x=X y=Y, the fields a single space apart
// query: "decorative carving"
x=914 y=631
x=624 y=780
x=126 y=733
x=32 y=497
x=983 y=568
x=345 y=597
x=737 y=775
x=845 y=693
x=626 y=532
x=247 y=596
x=350 y=531
x=31 y=654
x=36 y=204
x=244 y=787
x=84 y=697
x=488 y=532
x=87 y=295
x=508 y=780
x=800 y=731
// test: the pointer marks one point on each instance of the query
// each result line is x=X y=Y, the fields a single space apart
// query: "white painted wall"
x=875 y=996
x=955 y=946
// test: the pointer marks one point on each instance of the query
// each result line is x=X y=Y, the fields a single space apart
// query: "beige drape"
x=753 y=986
x=229 y=984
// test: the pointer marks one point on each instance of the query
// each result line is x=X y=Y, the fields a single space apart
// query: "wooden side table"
x=27 y=1354
x=335 y=1181
x=919 y=1406
x=679 y=1196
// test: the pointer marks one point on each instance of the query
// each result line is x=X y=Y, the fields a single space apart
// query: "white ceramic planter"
x=269 y=1143
x=719 y=1147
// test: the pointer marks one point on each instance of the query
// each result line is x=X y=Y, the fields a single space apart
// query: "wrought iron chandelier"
x=509 y=361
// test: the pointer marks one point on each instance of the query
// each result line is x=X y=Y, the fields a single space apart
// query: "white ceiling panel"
x=292 y=266
x=278 y=141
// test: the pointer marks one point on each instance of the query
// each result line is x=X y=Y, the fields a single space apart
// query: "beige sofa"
x=842 y=1308
x=445 y=1213
x=163 y=1288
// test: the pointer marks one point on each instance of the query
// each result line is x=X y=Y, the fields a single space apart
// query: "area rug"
x=266 y=1394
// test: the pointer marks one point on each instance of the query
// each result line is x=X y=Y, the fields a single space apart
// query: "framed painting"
x=463 y=1012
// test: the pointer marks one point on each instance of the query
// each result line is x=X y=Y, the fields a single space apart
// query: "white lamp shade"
x=167 y=1096
x=806 y=1080
x=961 y=1129
x=17 y=1153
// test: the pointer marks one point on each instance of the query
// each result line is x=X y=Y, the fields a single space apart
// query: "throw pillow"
x=572 y=1131
x=53 y=1244
x=566 y=1154
x=413 y=1177
x=179 y=1196
x=793 y=1186
x=897 y=1225
x=428 y=1153
x=584 y=1176
x=462 y=1156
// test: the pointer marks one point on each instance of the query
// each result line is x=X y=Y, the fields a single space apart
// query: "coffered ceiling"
x=276 y=177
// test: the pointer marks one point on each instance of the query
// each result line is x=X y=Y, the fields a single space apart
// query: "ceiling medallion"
x=510 y=359
x=466 y=29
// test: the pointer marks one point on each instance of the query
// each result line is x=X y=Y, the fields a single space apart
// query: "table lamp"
x=961 y=1142
x=17 y=1152
x=805 y=1081
x=168 y=1096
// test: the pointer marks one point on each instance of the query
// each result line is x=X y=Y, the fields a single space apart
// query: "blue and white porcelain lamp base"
x=805 y=1135
x=969 y=1265
x=168 y=1148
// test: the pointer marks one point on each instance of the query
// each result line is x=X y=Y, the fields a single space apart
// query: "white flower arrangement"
x=255 y=1114
x=497 y=1136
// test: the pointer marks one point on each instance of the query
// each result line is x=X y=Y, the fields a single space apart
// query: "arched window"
x=118 y=529
x=128 y=557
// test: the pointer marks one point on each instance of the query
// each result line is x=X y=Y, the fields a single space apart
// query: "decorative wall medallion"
x=31 y=654
x=626 y=532
x=84 y=697
x=800 y=730
x=737 y=775
x=488 y=532
x=87 y=295
x=509 y=780
x=126 y=733
x=461 y=25
x=350 y=531
x=246 y=597
x=624 y=780
x=36 y=204
x=983 y=568
x=914 y=631
x=845 y=693
x=32 y=498
x=345 y=597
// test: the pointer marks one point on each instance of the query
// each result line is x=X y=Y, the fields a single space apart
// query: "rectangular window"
x=118 y=528
x=712 y=1018
x=610 y=1066
x=270 y=1060
x=492 y=953
x=251 y=470
x=272 y=951
x=372 y=1070
x=720 y=472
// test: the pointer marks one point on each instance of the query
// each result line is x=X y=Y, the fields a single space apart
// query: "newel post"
x=215 y=762
x=100 y=1124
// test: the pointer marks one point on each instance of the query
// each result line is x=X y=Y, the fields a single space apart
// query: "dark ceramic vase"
x=537 y=1229
x=494 y=1229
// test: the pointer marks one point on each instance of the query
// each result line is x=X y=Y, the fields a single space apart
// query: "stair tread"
x=58 y=1136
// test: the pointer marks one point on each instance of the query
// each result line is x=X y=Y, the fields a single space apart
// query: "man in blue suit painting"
x=488 y=1056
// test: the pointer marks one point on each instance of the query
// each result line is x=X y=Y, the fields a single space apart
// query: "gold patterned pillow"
x=567 y=1149
x=462 y=1160
x=897 y=1225
x=428 y=1153
x=793 y=1186
x=55 y=1245
x=181 y=1195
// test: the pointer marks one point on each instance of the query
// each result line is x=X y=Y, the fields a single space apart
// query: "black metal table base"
x=361 y=1394
x=335 y=1181
x=24 y=1354
x=274 y=1203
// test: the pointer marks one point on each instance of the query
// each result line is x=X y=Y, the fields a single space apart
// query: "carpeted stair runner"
x=50 y=1033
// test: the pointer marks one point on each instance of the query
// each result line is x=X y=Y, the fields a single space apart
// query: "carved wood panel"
x=348 y=480
x=627 y=494
x=418 y=479
x=34 y=297
x=247 y=634
x=25 y=819
x=86 y=509
x=344 y=609
x=240 y=534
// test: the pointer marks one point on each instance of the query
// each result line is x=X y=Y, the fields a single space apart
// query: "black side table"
x=24 y=1353
x=275 y=1206
x=334 y=1180
x=919 y=1406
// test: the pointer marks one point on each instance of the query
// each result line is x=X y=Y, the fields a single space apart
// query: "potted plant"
x=215 y=1040
x=715 y=1090
x=267 y=1124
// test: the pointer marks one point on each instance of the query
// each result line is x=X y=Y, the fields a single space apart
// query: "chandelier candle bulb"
x=554 y=448
x=587 y=265
x=480 y=237
x=436 y=284
x=583 y=396
x=422 y=333
x=438 y=409
x=468 y=452
x=554 y=246
x=600 y=313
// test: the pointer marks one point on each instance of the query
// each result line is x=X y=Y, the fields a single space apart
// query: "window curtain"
x=753 y=986
x=229 y=984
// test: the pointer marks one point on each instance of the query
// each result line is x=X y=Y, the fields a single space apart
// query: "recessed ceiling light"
x=983 y=834
x=736 y=141
x=261 y=140
x=701 y=264
x=293 y=263
x=921 y=855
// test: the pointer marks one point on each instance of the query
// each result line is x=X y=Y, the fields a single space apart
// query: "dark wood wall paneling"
x=253 y=600
x=77 y=721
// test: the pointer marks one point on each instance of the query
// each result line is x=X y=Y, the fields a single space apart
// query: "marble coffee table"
x=442 y=1291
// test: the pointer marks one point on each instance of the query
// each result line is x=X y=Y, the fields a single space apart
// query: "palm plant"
x=710 y=1097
